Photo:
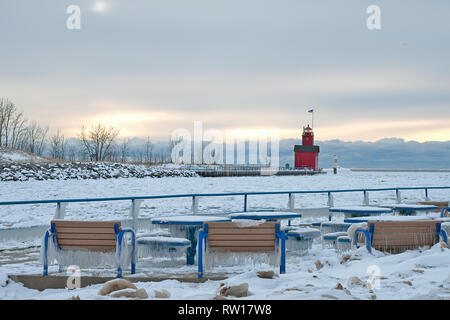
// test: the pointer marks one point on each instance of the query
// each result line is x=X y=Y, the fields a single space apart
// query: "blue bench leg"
x=200 y=254
x=283 y=253
x=47 y=235
x=367 y=236
x=191 y=251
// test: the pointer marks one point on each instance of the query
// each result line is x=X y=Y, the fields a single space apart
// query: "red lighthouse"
x=307 y=154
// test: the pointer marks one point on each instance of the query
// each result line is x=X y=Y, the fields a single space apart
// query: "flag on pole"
x=312 y=110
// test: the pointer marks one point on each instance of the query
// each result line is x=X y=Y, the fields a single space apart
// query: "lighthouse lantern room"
x=307 y=154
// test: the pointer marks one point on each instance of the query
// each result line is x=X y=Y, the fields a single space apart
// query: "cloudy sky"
x=150 y=67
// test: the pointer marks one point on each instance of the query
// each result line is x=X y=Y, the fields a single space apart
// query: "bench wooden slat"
x=91 y=248
x=403 y=224
x=244 y=249
x=85 y=224
x=225 y=231
x=98 y=236
x=88 y=242
x=212 y=225
x=239 y=243
x=85 y=230
x=401 y=242
x=404 y=235
x=248 y=237
x=406 y=230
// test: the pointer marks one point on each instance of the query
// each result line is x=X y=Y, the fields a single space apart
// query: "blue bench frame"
x=369 y=235
x=279 y=235
x=51 y=232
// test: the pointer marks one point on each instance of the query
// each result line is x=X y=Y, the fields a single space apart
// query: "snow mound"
x=8 y=155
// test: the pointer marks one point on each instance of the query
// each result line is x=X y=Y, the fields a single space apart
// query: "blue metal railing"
x=195 y=196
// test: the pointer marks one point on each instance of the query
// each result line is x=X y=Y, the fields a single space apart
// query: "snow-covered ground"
x=421 y=274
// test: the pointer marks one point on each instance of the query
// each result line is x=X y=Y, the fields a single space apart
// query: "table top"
x=386 y=218
x=271 y=215
x=410 y=207
x=188 y=220
x=361 y=209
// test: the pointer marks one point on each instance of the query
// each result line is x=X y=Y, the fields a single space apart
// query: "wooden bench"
x=233 y=237
x=96 y=236
x=399 y=236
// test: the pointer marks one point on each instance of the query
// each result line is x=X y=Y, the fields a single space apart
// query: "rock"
x=236 y=291
x=219 y=297
x=347 y=292
x=345 y=257
x=116 y=285
x=267 y=274
x=125 y=293
x=329 y=296
x=354 y=281
x=309 y=285
x=339 y=287
x=319 y=265
x=162 y=294
x=373 y=297
x=74 y=298
x=141 y=293
x=418 y=270
x=409 y=283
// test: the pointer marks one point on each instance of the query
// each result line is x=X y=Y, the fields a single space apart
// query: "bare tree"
x=35 y=138
x=148 y=150
x=124 y=149
x=98 y=141
x=12 y=124
x=58 y=145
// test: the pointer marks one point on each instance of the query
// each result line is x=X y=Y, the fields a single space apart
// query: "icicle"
x=23 y=233
x=162 y=246
x=301 y=239
x=219 y=258
x=329 y=227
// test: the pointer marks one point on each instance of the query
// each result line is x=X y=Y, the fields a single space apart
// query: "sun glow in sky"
x=100 y=6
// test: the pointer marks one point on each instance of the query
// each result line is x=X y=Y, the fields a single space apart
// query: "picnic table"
x=187 y=227
x=386 y=218
x=266 y=215
x=358 y=211
x=410 y=209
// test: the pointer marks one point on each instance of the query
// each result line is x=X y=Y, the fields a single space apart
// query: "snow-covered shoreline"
x=25 y=171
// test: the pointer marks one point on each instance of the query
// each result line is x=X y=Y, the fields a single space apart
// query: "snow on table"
x=387 y=218
x=265 y=215
x=188 y=220
x=410 y=207
x=360 y=209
